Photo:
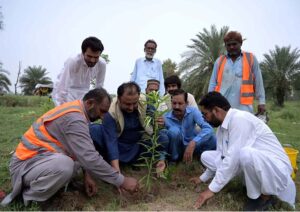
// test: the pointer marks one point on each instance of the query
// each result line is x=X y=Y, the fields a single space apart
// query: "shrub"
x=23 y=101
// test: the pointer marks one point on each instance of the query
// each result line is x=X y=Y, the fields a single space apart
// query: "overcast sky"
x=47 y=32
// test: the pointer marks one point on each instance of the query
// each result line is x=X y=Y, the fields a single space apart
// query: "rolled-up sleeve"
x=206 y=130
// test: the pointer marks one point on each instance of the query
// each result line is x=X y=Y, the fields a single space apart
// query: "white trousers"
x=263 y=174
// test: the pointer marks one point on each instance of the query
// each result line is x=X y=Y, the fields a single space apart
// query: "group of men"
x=65 y=139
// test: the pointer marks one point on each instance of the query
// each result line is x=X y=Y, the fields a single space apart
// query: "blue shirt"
x=145 y=70
x=232 y=80
x=187 y=125
x=126 y=147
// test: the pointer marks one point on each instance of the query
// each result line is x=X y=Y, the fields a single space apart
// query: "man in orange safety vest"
x=237 y=76
x=56 y=145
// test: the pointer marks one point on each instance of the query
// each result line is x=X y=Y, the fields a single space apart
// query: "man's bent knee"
x=245 y=156
x=64 y=166
x=207 y=157
x=174 y=133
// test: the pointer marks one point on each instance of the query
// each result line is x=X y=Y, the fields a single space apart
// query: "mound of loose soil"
x=163 y=194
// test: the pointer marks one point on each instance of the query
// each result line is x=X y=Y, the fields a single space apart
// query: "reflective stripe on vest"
x=37 y=140
x=247 y=86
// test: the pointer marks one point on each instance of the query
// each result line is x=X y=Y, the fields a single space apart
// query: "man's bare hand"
x=203 y=197
x=160 y=167
x=160 y=121
x=261 y=109
x=130 y=184
x=195 y=180
x=189 y=151
x=90 y=185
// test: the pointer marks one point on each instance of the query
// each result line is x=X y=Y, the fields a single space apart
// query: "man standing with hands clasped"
x=238 y=77
x=148 y=67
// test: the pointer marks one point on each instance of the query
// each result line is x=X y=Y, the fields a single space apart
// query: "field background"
x=174 y=193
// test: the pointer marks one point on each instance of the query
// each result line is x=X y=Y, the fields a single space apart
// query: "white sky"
x=47 y=32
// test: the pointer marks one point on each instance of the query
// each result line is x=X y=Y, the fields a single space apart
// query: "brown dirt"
x=163 y=194
x=173 y=193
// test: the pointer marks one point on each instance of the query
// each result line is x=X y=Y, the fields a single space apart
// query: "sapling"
x=156 y=108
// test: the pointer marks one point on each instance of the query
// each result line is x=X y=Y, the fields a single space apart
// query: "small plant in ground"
x=156 y=107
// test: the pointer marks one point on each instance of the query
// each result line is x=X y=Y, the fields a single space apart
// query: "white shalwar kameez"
x=74 y=80
x=246 y=145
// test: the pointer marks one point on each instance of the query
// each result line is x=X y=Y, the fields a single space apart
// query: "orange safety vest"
x=247 y=87
x=37 y=140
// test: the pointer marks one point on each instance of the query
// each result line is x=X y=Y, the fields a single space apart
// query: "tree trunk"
x=280 y=96
x=19 y=72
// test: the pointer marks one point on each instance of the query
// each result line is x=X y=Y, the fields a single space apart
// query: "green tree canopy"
x=4 y=81
x=280 y=67
x=296 y=81
x=33 y=76
x=198 y=62
x=169 y=68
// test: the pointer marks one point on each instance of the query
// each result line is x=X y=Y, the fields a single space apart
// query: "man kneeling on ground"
x=123 y=130
x=56 y=145
x=189 y=134
x=247 y=146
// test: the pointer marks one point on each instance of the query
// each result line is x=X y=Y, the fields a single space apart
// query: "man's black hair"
x=179 y=92
x=173 y=79
x=97 y=94
x=93 y=43
x=130 y=87
x=150 y=41
x=214 y=99
x=152 y=81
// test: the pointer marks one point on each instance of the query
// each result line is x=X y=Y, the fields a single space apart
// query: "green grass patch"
x=285 y=123
x=173 y=193
x=23 y=101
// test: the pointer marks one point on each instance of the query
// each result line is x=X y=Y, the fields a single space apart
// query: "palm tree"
x=4 y=81
x=169 y=68
x=198 y=62
x=31 y=77
x=280 y=67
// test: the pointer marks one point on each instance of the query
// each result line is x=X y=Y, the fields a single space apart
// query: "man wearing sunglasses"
x=238 y=77
x=148 y=67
